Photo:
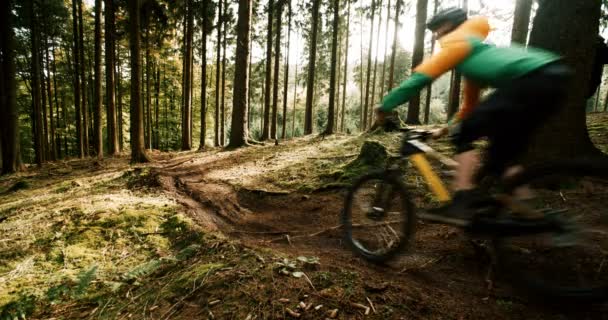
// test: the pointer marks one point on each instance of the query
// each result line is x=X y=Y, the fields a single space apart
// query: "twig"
x=371 y=304
x=309 y=282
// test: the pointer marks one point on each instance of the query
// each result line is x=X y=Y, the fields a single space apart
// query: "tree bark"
x=391 y=73
x=9 y=131
x=239 y=133
x=223 y=106
x=382 y=78
x=204 y=76
x=277 y=66
x=372 y=96
x=555 y=28
x=52 y=148
x=138 y=153
x=268 y=80
x=366 y=106
x=98 y=139
x=295 y=100
x=36 y=94
x=113 y=145
x=521 y=21
x=333 y=67
x=429 y=88
x=216 y=138
x=413 y=112
x=83 y=80
x=345 y=69
x=312 y=56
x=286 y=80
x=186 y=134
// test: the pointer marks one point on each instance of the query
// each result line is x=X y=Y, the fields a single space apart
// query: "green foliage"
x=142 y=270
x=18 y=309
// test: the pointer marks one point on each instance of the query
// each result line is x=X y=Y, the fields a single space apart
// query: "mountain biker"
x=530 y=85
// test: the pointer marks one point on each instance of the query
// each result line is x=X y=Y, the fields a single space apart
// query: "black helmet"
x=456 y=16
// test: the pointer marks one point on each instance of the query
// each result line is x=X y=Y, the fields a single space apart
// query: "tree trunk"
x=52 y=148
x=138 y=153
x=391 y=73
x=556 y=29
x=277 y=66
x=119 y=99
x=268 y=80
x=312 y=56
x=413 y=112
x=223 y=106
x=521 y=21
x=295 y=100
x=429 y=89
x=83 y=80
x=45 y=132
x=113 y=145
x=286 y=81
x=148 y=97
x=366 y=106
x=55 y=94
x=98 y=139
x=204 y=77
x=454 y=100
x=36 y=94
x=186 y=134
x=345 y=69
x=157 y=110
x=382 y=78
x=216 y=138
x=333 y=67
x=9 y=131
x=239 y=133
x=372 y=96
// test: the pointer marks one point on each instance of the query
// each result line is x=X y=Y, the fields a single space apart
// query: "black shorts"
x=511 y=114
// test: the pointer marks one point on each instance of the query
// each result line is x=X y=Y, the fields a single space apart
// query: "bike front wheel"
x=569 y=260
x=378 y=217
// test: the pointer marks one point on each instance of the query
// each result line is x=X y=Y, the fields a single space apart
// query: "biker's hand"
x=438 y=133
x=380 y=116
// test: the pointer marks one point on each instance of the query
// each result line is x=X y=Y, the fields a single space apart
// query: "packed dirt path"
x=442 y=276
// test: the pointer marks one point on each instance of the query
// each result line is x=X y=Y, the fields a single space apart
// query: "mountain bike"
x=555 y=241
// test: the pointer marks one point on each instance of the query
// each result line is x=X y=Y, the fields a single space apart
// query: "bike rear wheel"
x=571 y=260
x=378 y=217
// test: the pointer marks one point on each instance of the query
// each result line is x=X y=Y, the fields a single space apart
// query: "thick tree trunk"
x=138 y=153
x=555 y=28
x=52 y=148
x=413 y=112
x=223 y=106
x=521 y=21
x=216 y=137
x=384 y=63
x=204 y=77
x=277 y=66
x=268 y=80
x=83 y=81
x=286 y=80
x=312 y=57
x=391 y=73
x=98 y=138
x=333 y=67
x=186 y=133
x=366 y=106
x=36 y=94
x=345 y=70
x=149 y=72
x=9 y=122
x=119 y=99
x=373 y=94
x=429 y=89
x=113 y=145
x=239 y=133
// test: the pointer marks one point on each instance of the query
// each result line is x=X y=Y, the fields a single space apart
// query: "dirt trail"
x=442 y=276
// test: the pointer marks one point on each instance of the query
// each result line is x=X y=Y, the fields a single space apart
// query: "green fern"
x=84 y=280
x=142 y=270
x=18 y=309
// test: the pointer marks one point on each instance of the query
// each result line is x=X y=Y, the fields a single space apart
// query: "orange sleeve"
x=452 y=53
x=470 y=99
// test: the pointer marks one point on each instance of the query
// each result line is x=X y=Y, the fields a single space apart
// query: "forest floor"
x=251 y=233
